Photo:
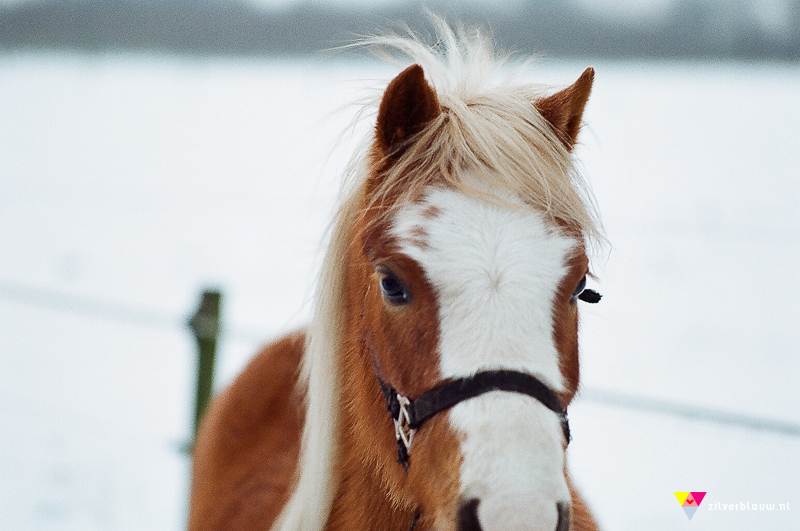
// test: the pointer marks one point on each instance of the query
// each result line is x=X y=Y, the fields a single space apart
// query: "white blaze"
x=496 y=271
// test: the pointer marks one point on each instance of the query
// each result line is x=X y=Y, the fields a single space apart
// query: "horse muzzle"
x=470 y=520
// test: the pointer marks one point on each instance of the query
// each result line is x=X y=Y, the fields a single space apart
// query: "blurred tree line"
x=555 y=28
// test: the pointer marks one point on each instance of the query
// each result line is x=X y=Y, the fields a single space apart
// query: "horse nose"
x=468 y=516
x=563 y=516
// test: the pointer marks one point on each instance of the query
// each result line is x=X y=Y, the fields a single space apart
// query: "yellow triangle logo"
x=682 y=497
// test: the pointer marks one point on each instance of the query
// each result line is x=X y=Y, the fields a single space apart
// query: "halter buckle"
x=402 y=424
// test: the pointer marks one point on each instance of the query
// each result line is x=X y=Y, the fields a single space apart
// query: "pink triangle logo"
x=690 y=501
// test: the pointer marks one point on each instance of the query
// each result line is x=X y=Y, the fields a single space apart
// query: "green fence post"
x=205 y=325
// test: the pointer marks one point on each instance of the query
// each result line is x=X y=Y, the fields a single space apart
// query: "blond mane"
x=488 y=122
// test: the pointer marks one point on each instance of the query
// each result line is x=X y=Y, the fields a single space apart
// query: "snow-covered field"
x=135 y=181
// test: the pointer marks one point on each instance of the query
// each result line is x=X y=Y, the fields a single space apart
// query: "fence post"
x=205 y=325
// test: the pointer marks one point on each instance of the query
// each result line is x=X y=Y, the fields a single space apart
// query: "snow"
x=139 y=180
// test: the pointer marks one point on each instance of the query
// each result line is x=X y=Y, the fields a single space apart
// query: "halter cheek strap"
x=408 y=415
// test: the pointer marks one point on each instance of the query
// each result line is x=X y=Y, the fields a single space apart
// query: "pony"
x=429 y=391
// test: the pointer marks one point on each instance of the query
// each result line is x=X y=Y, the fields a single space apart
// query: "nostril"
x=468 y=516
x=563 y=516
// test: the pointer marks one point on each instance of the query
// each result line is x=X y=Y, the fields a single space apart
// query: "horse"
x=430 y=389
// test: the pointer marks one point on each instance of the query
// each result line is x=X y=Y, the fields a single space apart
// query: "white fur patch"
x=496 y=271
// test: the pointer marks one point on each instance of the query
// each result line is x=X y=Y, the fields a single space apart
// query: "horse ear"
x=564 y=109
x=408 y=104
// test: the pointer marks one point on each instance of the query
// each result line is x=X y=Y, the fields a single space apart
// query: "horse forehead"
x=448 y=231
x=496 y=270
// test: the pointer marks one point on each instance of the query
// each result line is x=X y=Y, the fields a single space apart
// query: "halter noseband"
x=408 y=415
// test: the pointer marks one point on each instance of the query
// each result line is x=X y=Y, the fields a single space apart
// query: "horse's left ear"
x=564 y=109
x=408 y=104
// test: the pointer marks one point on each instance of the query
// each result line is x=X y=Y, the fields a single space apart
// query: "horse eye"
x=586 y=295
x=394 y=291
x=580 y=288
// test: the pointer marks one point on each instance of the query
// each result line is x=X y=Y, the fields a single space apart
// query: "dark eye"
x=586 y=295
x=581 y=286
x=393 y=290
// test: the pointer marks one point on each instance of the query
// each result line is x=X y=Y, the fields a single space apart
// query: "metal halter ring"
x=402 y=424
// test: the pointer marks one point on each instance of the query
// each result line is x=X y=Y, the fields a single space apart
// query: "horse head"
x=450 y=296
x=454 y=276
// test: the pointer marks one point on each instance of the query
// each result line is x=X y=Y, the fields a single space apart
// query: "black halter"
x=408 y=415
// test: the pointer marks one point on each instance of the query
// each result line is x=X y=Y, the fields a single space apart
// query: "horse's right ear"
x=408 y=105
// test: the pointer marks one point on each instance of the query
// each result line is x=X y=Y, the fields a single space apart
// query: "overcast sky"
x=610 y=6
x=772 y=14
